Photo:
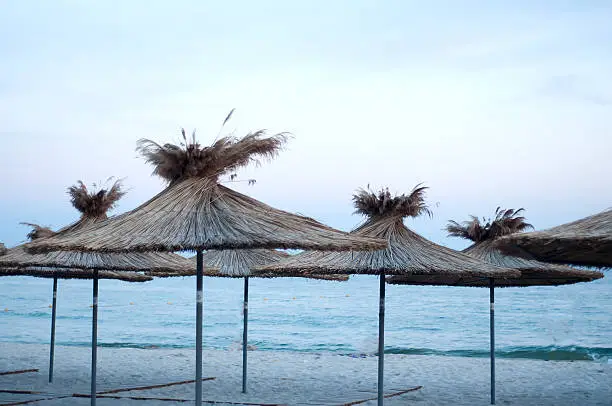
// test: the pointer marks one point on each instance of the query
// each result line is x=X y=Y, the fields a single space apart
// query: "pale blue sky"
x=489 y=103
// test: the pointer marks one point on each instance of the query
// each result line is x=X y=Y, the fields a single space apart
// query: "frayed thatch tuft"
x=505 y=222
x=3 y=249
x=38 y=231
x=178 y=162
x=382 y=204
x=95 y=204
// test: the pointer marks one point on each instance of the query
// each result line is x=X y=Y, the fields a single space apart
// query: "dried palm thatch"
x=95 y=204
x=533 y=272
x=190 y=160
x=383 y=204
x=238 y=264
x=407 y=252
x=38 y=231
x=505 y=222
x=585 y=242
x=160 y=261
x=195 y=212
x=485 y=234
x=68 y=273
x=90 y=205
x=2 y=249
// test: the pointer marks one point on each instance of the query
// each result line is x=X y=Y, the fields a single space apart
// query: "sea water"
x=293 y=314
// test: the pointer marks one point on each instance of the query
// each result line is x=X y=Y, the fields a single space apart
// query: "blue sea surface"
x=293 y=314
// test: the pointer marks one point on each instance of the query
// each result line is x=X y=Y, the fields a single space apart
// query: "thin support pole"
x=245 y=329
x=199 y=303
x=53 y=313
x=381 y=341
x=492 y=331
x=94 y=338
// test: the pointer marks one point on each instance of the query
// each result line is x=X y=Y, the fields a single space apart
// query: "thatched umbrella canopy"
x=407 y=253
x=484 y=236
x=584 y=242
x=195 y=212
x=238 y=264
x=20 y=257
x=93 y=206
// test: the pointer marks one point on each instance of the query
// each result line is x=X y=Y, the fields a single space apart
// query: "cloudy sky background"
x=488 y=103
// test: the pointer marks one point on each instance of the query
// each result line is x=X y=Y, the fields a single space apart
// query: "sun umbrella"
x=196 y=213
x=484 y=235
x=93 y=206
x=407 y=253
x=238 y=264
x=584 y=242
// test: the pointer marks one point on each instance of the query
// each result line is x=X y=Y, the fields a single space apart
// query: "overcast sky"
x=488 y=103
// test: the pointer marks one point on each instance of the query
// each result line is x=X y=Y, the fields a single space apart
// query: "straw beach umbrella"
x=196 y=213
x=484 y=235
x=92 y=206
x=584 y=242
x=238 y=264
x=407 y=253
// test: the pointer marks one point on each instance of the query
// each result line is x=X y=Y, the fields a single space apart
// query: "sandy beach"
x=298 y=378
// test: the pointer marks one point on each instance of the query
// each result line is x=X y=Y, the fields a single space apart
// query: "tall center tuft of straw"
x=96 y=203
x=505 y=222
x=175 y=163
x=38 y=232
x=384 y=205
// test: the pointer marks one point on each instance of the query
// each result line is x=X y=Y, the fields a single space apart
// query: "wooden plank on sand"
x=164 y=385
x=210 y=402
x=23 y=371
x=391 y=395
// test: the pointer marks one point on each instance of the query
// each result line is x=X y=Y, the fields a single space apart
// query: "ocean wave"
x=547 y=353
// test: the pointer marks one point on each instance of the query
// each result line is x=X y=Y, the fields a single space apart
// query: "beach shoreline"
x=298 y=378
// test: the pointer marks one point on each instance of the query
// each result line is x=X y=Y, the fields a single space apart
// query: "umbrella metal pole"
x=199 y=301
x=381 y=340
x=492 y=332
x=245 y=329
x=94 y=338
x=52 y=349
